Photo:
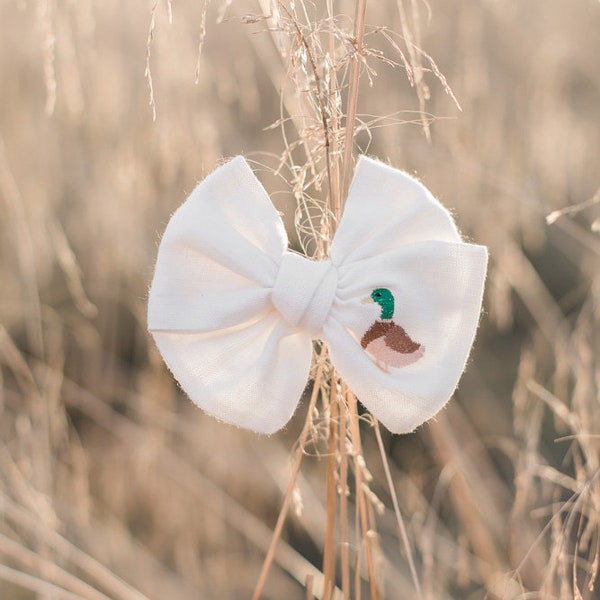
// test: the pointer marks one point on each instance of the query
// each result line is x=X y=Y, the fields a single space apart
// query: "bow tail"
x=251 y=375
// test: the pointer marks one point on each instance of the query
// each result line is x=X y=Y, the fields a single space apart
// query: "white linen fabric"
x=234 y=312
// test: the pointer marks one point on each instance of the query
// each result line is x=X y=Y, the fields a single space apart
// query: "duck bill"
x=367 y=300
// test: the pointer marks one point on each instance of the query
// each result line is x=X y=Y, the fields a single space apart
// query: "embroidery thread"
x=385 y=342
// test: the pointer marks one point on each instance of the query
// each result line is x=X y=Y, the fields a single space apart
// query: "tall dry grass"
x=112 y=485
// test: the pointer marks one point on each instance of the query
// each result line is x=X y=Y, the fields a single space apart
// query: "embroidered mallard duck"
x=387 y=343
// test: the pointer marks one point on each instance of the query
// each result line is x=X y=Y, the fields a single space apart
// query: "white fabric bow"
x=233 y=311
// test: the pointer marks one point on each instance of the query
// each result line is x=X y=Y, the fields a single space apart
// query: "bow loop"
x=304 y=291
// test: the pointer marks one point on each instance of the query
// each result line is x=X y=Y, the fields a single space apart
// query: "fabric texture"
x=234 y=312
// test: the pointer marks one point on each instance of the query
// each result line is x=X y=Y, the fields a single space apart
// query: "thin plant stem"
x=296 y=470
x=415 y=62
x=359 y=27
x=360 y=493
x=320 y=99
x=51 y=571
x=373 y=538
x=343 y=490
x=329 y=550
x=332 y=149
x=35 y=584
x=309 y=587
x=399 y=519
x=357 y=588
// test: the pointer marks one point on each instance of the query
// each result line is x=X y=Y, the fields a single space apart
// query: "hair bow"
x=234 y=312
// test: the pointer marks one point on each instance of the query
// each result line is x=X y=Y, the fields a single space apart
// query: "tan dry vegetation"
x=111 y=484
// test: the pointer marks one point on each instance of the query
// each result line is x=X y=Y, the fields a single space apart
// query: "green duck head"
x=385 y=299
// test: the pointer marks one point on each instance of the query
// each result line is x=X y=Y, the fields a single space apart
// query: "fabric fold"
x=387 y=208
x=219 y=255
x=436 y=289
x=242 y=376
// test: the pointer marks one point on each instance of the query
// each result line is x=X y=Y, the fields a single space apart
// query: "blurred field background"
x=112 y=485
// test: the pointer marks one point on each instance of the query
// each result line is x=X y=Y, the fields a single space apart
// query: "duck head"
x=385 y=299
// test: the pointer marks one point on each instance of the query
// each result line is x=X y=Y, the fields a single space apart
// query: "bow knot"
x=304 y=291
